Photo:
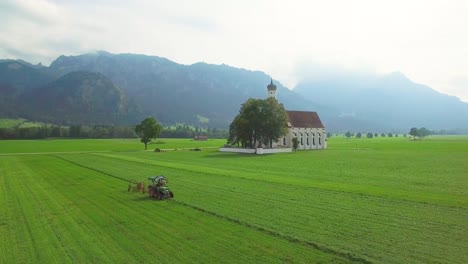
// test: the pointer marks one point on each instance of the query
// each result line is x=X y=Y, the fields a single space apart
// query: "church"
x=303 y=125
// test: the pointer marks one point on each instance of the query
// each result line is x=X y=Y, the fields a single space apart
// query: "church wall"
x=310 y=138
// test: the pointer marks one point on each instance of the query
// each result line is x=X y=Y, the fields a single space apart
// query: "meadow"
x=381 y=200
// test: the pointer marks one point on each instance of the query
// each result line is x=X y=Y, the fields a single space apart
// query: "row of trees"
x=78 y=131
x=260 y=121
x=415 y=132
x=370 y=135
x=186 y=131
x=48 y=131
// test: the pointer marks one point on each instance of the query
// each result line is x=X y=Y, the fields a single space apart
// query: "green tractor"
x=158 y=189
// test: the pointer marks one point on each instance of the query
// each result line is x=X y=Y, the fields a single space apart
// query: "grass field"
x=381 y=200
x=94 y=145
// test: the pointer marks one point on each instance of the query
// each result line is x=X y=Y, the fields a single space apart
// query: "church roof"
x=271 y=86
x=304 y=119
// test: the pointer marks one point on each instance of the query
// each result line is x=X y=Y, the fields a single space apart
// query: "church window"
x=307 y=137
x=284 y=141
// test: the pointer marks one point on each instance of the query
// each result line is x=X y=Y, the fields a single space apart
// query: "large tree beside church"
x=260 y=121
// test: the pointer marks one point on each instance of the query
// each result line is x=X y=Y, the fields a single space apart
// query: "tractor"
x=157 y=188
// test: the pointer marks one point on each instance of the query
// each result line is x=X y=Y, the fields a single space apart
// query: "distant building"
x=303 y=125
x=200 y=138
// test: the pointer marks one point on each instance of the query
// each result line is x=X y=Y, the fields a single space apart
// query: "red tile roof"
x=304 y=119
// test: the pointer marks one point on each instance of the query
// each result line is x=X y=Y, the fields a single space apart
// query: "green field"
x=381 y=200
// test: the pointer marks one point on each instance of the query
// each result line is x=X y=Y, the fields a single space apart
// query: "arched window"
x=302 y=141
x=320 y=139
x=307 y=137
x=313 y=139
x=284 y=141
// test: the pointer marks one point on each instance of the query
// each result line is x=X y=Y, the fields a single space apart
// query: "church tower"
x=271 y=90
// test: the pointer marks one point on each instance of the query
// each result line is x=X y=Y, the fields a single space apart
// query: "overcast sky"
x=426 y=40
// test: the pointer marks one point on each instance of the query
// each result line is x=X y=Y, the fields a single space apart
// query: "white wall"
x=259 y=151
x=316 y=137
x=237 y=150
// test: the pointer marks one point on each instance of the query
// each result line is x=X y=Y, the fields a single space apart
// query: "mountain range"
x=121 y=89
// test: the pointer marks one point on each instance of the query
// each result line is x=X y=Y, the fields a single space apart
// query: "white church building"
x=304 y=125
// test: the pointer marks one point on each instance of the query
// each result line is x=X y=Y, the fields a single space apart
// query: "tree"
x=295 y=143
x=348 y=134
x=390 y=135
x=147 y=130
x=358 y=135
x=376 y=134
x=424 y=132
x=370 y=135
x=260 y=121
x=421 y=132
x=382 y=135
x=414 y=132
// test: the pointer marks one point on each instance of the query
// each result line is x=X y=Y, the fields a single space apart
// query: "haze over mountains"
x=105 y=88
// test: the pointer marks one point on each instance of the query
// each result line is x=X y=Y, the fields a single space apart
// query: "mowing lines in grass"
x=374 y=227
x=70 y=213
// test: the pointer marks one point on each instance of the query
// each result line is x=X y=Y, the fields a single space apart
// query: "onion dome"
x=271 y=86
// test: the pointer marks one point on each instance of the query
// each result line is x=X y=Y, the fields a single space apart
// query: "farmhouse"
x=303 y=125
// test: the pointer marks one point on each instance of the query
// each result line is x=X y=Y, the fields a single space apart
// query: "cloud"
x=193 y=22
x=459 y=86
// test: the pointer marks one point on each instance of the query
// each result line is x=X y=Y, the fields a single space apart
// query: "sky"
x=290 y=40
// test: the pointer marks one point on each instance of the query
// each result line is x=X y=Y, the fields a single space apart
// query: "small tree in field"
x=295 y=143
x=358 y=135
x=148 y=130
x=370 y=135
x=348 y=134
x=414 y=132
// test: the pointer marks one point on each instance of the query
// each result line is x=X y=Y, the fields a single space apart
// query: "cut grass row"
x=87 y=145
x=56 y=212
x=374 y=228
x=428 y=177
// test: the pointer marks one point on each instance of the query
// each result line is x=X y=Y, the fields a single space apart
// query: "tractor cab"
x=157 y=188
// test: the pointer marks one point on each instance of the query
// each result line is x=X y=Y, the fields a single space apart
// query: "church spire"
x=271 y=89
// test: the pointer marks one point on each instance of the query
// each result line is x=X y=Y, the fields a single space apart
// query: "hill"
x=210 y=95
x=180 y=93
x=79 y=98
x=16 y=78
x=386 y=102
